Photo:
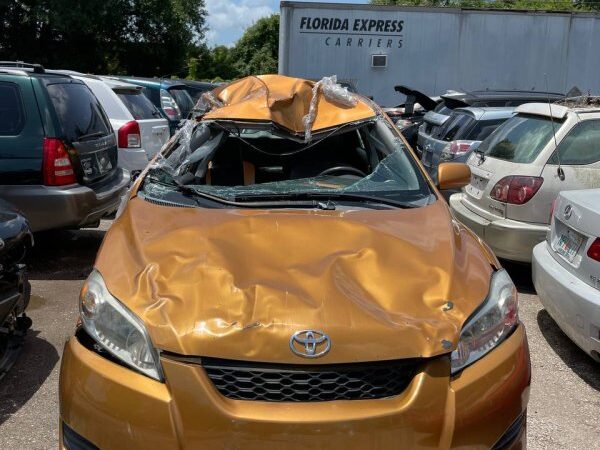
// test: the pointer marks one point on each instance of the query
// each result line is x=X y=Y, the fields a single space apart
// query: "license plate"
x=104 y=164
x=568 y=244
x=96 y=164
x=476 y=187
x=87 y=166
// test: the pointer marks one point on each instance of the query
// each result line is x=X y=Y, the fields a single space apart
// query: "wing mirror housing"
x=453 y=175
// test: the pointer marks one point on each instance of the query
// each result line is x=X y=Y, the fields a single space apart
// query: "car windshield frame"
x=396 y=180
x=530 y=144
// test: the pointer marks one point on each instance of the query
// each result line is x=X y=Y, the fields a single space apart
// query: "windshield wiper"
x=480 y=153
x=313 y=204
x=330 y=197
x=85 y=137
x=314 y=200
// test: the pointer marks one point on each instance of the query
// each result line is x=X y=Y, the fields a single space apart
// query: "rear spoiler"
x=435 y=118
x=413 y=96
x=543 y=109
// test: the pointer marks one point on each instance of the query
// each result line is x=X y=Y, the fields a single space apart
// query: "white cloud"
x=227 y=19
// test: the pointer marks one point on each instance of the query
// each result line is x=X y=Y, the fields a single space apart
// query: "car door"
x=579 y=157
x=21 y=133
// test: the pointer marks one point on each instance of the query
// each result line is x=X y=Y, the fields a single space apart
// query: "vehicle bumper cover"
x=509 y=239
x=112 y=407
x=49 y=207
x=573 y=304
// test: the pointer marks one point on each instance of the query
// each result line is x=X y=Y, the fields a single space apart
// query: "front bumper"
x=573 y=304
x=509 y=239
x=73 y=206
x=111 y=407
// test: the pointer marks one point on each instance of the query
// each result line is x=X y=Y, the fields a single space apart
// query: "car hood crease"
x=236 y=283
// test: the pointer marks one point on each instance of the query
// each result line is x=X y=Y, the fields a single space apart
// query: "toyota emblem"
x=310 y=343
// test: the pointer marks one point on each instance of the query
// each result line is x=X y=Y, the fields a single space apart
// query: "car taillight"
x=169 y=106
x=458 y=147
x=56 y=164
x=516 y=189
x=552 y=208
x=594 y=250
x=129 y=135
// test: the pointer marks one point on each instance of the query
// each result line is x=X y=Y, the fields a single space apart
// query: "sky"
x=227 y=19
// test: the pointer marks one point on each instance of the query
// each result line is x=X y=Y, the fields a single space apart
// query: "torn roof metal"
x=284 y=101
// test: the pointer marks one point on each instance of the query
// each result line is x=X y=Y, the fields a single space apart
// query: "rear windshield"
x=520 y=139
x=482 y=129
x=441 y=108
x=79 y=113
x=455 y=126
x=138 y=105
x=183 y=100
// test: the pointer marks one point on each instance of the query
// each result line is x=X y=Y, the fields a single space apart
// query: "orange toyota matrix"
x=285 y=276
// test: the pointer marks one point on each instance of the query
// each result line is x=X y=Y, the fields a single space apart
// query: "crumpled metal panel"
x=237 y=283
x=284 y=101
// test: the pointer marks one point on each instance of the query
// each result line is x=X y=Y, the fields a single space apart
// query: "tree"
x=546 y=5
x=141 y=37
x=257 y=51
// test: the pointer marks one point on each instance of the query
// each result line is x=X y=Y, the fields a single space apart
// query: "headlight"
x=116 y=328
x=490 y=324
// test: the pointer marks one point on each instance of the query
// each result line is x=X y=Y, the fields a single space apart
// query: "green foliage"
x=256 y=52
x=140 y=37
x=545 y=5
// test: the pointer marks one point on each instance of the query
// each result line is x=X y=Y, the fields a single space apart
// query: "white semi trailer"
x=435 y=49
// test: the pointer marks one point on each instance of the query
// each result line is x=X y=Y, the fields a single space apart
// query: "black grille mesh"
x=292 y=383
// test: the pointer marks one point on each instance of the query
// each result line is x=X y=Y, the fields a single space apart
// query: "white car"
x=140 y=128
x=518 y=171
x=566 y=268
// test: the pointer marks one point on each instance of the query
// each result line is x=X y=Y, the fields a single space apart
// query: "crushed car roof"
x=285 y=101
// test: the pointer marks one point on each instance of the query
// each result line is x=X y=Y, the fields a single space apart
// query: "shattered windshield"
x=243 y=164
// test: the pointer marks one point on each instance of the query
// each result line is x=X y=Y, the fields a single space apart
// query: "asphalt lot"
x=564 y=408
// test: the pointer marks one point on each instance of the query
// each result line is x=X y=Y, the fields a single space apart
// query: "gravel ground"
x=564 y=408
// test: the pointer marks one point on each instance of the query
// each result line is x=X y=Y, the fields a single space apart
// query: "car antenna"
x=561 y=173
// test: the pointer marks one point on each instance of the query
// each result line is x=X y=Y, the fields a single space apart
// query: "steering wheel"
x=343 y=169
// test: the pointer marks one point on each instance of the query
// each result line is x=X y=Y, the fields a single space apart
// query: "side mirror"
x=453 y=175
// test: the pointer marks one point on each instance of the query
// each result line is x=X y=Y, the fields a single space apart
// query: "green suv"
x=58 y=154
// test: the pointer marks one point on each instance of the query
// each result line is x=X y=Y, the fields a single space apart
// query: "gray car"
x=459 y=135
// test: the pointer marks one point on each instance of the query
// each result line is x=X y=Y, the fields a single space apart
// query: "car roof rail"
x=37 y=68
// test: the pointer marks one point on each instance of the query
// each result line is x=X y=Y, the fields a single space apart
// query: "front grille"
x=303 y=383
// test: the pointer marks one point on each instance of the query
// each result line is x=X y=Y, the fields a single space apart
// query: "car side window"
x=581 y=146
x=12 y=114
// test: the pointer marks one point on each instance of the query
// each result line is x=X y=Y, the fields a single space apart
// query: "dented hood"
x=236 y=284
x=284 y=101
